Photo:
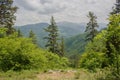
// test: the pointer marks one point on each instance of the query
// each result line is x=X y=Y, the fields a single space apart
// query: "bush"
x=92 y=61
x=20 y=53
x=94 y=56
x=15 y=53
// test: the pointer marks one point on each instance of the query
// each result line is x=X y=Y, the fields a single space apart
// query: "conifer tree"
x=62 y=47
x=7 y=17
x=116 y=9
x=91 y=27
x=52 y=38
x=19 y=33
x=33 y=37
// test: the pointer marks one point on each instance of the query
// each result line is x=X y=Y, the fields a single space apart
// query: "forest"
x=26 y=54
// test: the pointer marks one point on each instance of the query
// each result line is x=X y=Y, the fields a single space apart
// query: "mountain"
x=66 y=29
x=75 y=45
x=38 y=28
x=69 y=29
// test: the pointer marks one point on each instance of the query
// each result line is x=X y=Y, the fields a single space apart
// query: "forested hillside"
x=58 y=51
x=75 y=45
x=72 y=32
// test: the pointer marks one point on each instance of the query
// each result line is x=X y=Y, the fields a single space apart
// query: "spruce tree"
x=7 y=17
x=33 y=37
x=62 y=47
x=52 y=38
x=91 y=27
x=19 y=33
x=116 y=9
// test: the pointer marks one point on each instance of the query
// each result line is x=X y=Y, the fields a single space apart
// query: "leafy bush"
x=2 y=32
x=92 y=61
x=20 y=53
x=15 y=53
x=94 y=56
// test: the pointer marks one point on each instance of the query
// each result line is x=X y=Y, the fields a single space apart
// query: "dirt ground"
x=57 y=75
x=65 y=75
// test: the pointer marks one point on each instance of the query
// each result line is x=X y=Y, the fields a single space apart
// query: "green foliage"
x=91 y=27
x=20 y=53
x=3 y=32
x=104 y=50
x=113 y=42
x=56 y=62
x=94 y=56
x=92 y=61
x=15 y=53
x=7 y=17
x=98 y=44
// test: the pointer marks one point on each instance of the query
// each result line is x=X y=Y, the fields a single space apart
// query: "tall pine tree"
x=33 y=37
x=91 y=27
x=52 y=38
x=116 y=9
x=19 y=33
x=62 y=47
x=7 y=17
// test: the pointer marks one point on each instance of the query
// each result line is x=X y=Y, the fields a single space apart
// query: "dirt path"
x=57 y=75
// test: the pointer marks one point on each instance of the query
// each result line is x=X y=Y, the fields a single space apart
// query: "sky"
x=76 y=11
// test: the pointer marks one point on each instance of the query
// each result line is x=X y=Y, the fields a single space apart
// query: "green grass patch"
x=22 y=75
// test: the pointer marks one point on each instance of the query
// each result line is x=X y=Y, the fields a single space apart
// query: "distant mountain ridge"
x=66 y=29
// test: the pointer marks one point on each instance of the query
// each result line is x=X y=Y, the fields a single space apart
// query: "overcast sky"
x=35 y=11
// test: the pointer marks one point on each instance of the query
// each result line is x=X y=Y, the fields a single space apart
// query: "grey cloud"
x=50 y=9
x=24 y=4
x=45 y=1
x=91 y=1
x=63 y=10
x=41 y=6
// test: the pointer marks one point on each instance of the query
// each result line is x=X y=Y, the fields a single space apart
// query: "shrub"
x=20 y=53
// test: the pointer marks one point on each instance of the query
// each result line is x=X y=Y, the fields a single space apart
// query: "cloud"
x=91 y=1
x=25 y=4
x=41 y=6
x=34 y=11
x=45 y=1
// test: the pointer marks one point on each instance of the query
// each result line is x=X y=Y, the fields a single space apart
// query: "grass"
x=49 y=75
x=23 y=75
